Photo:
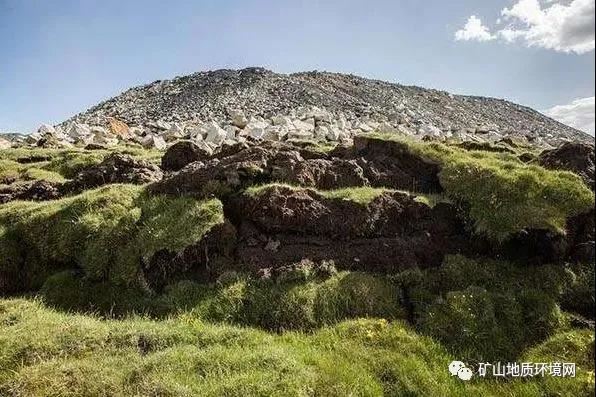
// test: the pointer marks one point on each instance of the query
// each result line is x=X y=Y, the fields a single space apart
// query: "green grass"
x=487 y=309
x=578 y=297
x=11 y=171
x=106 y=232
x=274 y=305
x=43 y=352
x=317 y=331
x=504 y=195
x=362 y=195
x=479 y=309
x=68 y=162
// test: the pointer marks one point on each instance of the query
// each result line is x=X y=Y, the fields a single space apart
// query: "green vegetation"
x=316 y=331
x=106 y=232
x=479 y=309
x=503 y=194
x=11 y=171
x=362 y=195
x=487 y=310
x=43 y=352
x=578 y=297
x=285 y=303
x=64 y=163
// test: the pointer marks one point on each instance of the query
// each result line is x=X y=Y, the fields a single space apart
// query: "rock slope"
x=346 y=102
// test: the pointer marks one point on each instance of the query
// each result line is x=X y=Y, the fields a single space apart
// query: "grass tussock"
x=290 y=302
x=362 y=195
x=11 y=171
x=65 y=163
x=43 y=352
x=106 y=232
x=479 y=309
x=488 y=310
x=503 y=194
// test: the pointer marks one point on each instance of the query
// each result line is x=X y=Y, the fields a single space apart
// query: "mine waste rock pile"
x=225 y=107
x=399 y=228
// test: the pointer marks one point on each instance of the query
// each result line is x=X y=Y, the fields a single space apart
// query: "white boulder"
x=175 y=132
x=334 y=133
x=231 y=131
x=321 y=132
x=281 y=120
x=199 y=132
x=154 y=141
x=215 y=134
x=430 y=130
x=275 y=132
x=46 y=129
x=84 y=140
x=76 y=130
x=238 y=118
x=255 y=129
x=137 y=131
x=162 y=125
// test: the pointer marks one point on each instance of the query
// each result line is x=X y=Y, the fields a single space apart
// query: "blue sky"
x=60 y=57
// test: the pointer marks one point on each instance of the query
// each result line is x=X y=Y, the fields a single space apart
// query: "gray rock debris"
x=254 y=103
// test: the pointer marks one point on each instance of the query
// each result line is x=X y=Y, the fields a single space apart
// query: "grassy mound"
x=322 y=332
x=43 y=352
x=505 y=195
x=66 y=163
x=479 y=309
x=487 y=310
x=106 y=232
x=362 y=195
x=275 y=305
x=11 y=171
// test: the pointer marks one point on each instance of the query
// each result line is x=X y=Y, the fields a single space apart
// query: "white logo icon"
x=459 y=368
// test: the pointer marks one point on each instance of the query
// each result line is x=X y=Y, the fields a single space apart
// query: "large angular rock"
x=118 y=128
x=238 y=117
x=151 y=141
x=255 y=129
x=175 y=132
x=77 y=131
x=215 y=134
x=46 y=129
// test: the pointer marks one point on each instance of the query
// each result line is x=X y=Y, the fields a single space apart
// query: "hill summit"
x=349 y=103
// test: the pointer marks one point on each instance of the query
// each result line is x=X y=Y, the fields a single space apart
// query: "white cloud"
x=578 y=114
x=560 y=25
x=474 y=30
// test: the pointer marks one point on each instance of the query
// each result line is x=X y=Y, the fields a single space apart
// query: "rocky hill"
x=348 y=102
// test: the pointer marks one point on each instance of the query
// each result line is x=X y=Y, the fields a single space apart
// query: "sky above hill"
x=60 y=57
